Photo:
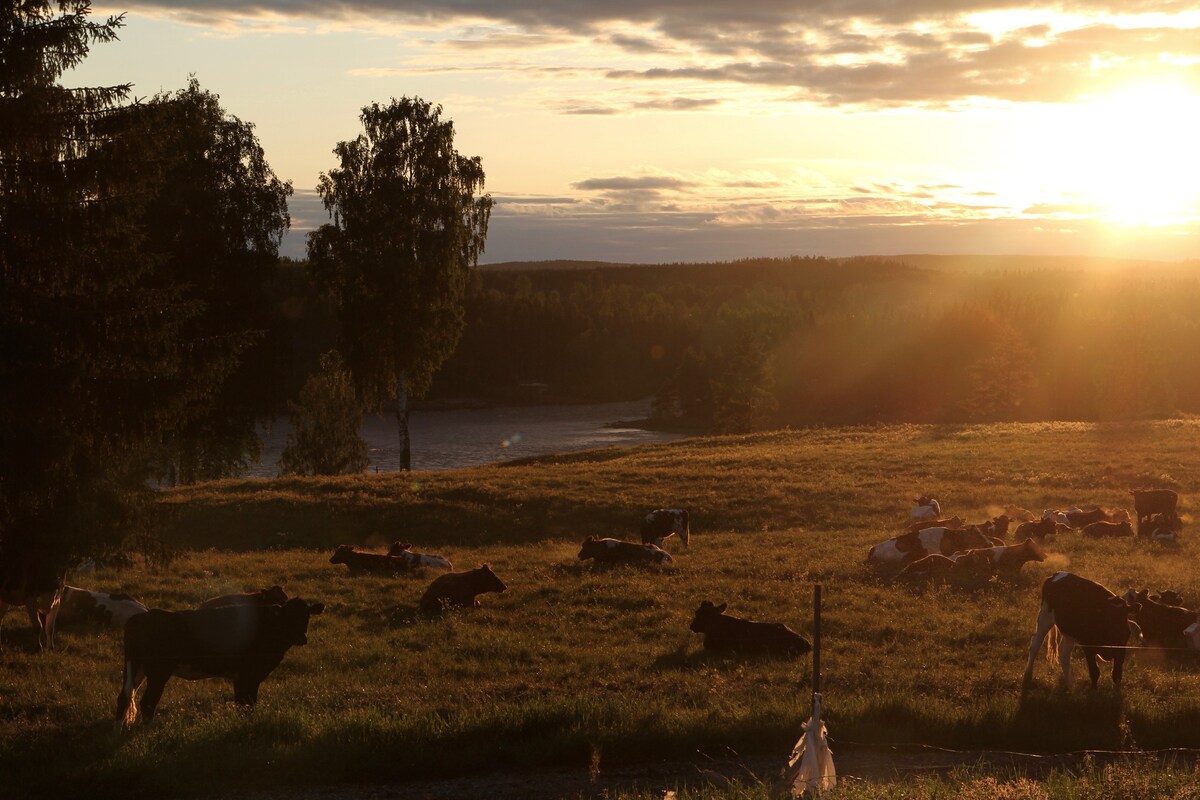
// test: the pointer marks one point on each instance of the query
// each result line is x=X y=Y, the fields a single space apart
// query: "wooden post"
x=816 y=672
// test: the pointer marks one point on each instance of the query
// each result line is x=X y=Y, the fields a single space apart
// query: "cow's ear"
x=721 y=608
x=1134 y=608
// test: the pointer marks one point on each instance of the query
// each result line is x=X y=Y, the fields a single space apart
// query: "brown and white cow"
x=239 y=643
x=415 y=560
x=615 y=551
x=949 y=522
x=1010 y=558
x=460 y=589
x=111 y=609
x=360 y=563
x=724 y=632
x=664 y=523
x=931 y=541
x=1085 y=614
x=925 y=508
x=273 y=596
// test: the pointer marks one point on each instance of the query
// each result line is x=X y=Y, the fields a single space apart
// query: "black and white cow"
x=666 y=522
x=240 y=643
x=1088 y=615
x=112 y=609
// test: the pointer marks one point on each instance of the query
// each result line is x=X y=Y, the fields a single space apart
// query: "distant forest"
x=767 y=342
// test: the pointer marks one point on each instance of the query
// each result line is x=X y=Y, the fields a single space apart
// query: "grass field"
x=574 y=665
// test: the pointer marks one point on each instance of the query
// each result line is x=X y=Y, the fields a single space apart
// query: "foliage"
x=324 y=438
x=406 y=229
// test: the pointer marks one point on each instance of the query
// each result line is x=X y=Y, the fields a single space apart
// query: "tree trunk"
x=402 y=422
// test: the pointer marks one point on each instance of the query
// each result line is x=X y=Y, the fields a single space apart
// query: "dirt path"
x=876 y=765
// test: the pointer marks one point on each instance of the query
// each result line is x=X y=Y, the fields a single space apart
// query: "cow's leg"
x=1089 y=656
x=127 y=697
x=1118 y=660
x=1045 y=622
x=35 y=620
x=1065 y=646
x=245 y=691
x=155 y=683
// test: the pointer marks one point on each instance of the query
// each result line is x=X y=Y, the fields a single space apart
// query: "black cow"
x=1148 y=502
x=241 y=643
x=726 y=632
x=615 y=551
x=665 y=522
x=361 y=563
x=27 y=579
x=1162 y=624
x=1088 y=615
x=460 y=589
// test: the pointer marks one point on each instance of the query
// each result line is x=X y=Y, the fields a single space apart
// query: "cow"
x=615 y=551
x=950 y=522
x=724 y=632
x=1018 y=514
x=1009 y=558
x=1099 y=530
x=1061 y=517
x=1168 y=597
x=932 y=541
x=926 y=508
x=1161 y=527
x=1148 y=502
x=1162 y=624
x=26 y=580
x=1038 y=529
x=240 y=643
x=361 y=563
x=416 y=560
x=1081 y=519
x=274 y=596
x=995 y=528
x=460 y=589
x=1088 y=615
x=664 y=523
x=111 y=609
x=934 y=566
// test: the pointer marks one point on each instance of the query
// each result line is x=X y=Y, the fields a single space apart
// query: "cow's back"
x=1084 y=611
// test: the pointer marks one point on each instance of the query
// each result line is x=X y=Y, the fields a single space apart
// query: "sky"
x=652 y=131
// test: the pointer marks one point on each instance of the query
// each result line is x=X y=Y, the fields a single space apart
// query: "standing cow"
x=1088 y=615
x=1148 y=502
x=666 y=522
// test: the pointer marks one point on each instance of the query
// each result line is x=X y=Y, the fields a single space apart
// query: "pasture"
x=581 y=667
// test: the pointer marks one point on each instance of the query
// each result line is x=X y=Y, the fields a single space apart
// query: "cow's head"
x=275 y=596
x=1169 y=598
x=923 y=500
x=1032 y=551
x=488 y=581
x=591 y=548
x=1000 y=525
x=398 y=548
x=292 y=618
x=706 y=614
x=341 y=554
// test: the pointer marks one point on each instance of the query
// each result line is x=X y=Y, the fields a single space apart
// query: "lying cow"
x=615 y=551
x=1040 y=529
x=664 y=523
x=1102 y=530
x=273 y=596
x=925 y=508
x=1162 y=624
x=950 y=522
x=726 y=632
x=240 y=643
x=931 y=541
x=1018 y=514
x=1010 y=558
x=415 y=560
x=460 y=589
x=1168 y=597
x=967 y=564
x=361 y=563
x=111 y=609
x=1088 y=615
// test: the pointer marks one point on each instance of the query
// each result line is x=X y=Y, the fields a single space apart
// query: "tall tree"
x=325 y=439
x=408 y=224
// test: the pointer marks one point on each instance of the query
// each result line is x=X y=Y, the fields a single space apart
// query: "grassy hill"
x=574 y=665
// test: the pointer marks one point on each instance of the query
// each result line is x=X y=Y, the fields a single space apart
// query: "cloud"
x=642 y=183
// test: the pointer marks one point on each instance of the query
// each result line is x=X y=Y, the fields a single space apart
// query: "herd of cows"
x=243 y=637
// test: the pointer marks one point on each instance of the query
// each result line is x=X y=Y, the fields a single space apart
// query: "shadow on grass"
x=685 y=658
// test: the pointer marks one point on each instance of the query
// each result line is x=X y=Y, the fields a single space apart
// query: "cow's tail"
x=127 y=700
x=1053 y=637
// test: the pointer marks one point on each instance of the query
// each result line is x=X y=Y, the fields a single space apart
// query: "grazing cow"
x=951 y=522
x=1148 y=502
x=361 y=563
x=1162 y=624
x=240 y=643
x=274 y=596
x=26 y=581
x=614 y=551
x=1018 y=514
x=1088 y=615
x=460 y=589
x=106 y=608
x=932 y=541
x=1037 y=530
x=404 y=550
x=664 y=523
x=726 y=632
x=926 y=508
x=1108 y=529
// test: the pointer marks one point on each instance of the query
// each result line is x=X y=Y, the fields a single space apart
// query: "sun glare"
x=1138 y=155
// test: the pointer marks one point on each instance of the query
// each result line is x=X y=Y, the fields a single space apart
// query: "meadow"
x=596 y=668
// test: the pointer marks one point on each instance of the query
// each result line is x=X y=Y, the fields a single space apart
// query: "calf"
x=614 y=551
x=107 y=608
x=274 y=596
x=926 y=568
x=1148 y=502
x=1108 y=529
x=726 y=632
x=1162 y=624
x=931 y=541
x=460 y=589
x=415 y=560
x=1039 y=529
x=361 y=563
x=926 y=508
x=240 y=643
x=664 y=523
x=1086 y=614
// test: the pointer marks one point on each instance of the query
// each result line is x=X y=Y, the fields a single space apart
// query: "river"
x=454 y=438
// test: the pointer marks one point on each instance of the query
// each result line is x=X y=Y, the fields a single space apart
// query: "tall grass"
x=573 y=661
